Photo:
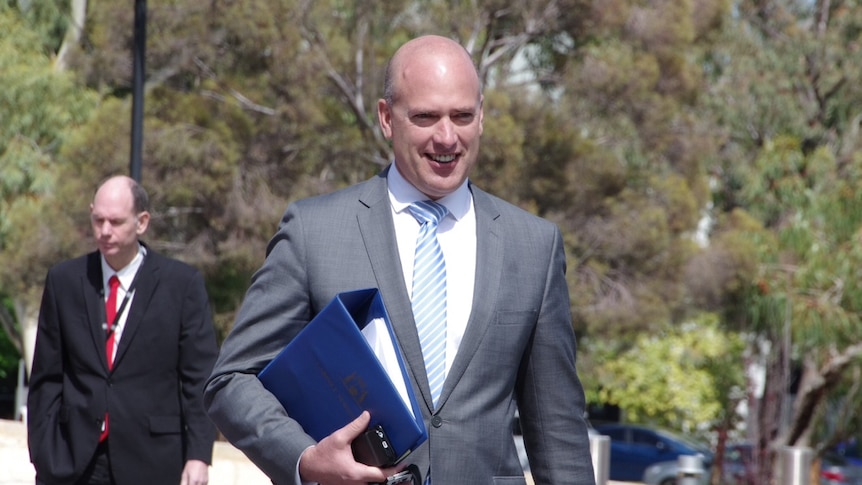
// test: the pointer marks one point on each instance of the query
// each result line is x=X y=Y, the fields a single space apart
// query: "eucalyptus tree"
x=786 y=92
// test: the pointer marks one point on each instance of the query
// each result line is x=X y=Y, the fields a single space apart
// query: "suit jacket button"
x=436 y=421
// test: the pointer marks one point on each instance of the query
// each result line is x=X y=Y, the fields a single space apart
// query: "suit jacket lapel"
x=94 y=298
x=145 y=286
x=378 y=235
x=489 y=269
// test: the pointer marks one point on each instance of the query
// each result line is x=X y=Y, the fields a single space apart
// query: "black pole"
x=138 y=64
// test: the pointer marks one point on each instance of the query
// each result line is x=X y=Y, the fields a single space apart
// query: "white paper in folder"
x=378 y=338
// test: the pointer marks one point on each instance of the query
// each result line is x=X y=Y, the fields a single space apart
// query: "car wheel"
x=668 y=481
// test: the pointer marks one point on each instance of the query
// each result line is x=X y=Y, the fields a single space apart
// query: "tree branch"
x=243 y=101
x=352 y=92
x=78 y=15
x=7 y=323
x=816 y=386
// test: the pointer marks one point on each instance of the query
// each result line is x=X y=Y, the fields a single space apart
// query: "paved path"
x=230 y=466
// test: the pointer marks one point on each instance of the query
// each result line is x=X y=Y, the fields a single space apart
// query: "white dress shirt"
x=457 y=236
x=126 y=276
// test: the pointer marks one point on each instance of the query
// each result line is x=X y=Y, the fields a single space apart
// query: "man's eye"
x=423 y=119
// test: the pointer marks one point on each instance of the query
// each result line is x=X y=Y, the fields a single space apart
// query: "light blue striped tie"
x=429 y=293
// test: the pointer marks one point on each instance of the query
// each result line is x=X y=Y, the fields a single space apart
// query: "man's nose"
x=445 y=134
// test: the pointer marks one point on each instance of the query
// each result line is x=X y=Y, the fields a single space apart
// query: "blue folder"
x=328 y=374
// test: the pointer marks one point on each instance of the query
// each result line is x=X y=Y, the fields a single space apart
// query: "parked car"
x=738 y=465
x=667 y=473
x=636 y=448
x=836 y=469
x=849 y=449
x=519 y=442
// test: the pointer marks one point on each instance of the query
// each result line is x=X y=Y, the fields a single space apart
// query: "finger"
x=357 y=426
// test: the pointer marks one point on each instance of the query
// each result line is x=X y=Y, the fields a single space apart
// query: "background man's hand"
x=195 y=472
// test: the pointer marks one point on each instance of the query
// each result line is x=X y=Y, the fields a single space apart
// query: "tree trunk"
x=769 y=414
x=78 y=17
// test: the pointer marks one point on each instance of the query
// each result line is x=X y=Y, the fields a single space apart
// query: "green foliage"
x=9 y=355
x=809 y=272
x=679 y=379
x=36 y=104
x=38 y=107
x=46 y=19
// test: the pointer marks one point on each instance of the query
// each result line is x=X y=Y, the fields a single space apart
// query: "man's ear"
x=143 y=222
x=384 y=118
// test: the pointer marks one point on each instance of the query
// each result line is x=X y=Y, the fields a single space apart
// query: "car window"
x=643 y=438
x=615 y=434
x=688 y=442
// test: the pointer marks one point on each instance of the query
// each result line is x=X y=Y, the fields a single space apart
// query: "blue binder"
x=328 y=374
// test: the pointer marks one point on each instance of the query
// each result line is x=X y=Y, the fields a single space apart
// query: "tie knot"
x=428 y=211
x=114 y=282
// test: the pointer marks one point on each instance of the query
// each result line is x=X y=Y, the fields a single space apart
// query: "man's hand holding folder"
x=334 y=453
x=344 y=380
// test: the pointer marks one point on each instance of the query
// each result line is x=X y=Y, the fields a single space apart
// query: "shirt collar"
x=126 y=274
x=402 y=193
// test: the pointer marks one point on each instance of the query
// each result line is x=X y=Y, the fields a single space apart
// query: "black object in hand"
x=373 y=448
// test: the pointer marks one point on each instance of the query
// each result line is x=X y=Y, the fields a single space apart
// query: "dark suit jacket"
x=153 y=393
x=518 y=343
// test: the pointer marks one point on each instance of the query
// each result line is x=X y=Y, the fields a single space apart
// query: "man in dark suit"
x=508 y=332
x=120 y=402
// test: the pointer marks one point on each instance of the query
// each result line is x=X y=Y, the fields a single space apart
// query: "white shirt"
x=457 y=236
x=126 y=276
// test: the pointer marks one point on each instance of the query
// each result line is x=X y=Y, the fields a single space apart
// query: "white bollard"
x=690 y=471
x=21 y=393
x=795 y=462
x=600 y=449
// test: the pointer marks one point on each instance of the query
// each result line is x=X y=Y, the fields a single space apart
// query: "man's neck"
x=119 y=261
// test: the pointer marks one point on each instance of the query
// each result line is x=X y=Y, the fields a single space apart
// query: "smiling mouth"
x=443 y=158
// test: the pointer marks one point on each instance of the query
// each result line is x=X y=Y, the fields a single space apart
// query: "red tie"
x=110 y=315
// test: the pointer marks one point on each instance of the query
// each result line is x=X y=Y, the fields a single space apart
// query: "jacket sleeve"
x=51 y=450
x=275 y=308
x=198 y=350
x=550 y=394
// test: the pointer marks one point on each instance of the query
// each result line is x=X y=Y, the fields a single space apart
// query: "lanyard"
x=109 y=330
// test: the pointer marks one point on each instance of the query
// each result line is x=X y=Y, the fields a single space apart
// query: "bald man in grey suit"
x=509 y=334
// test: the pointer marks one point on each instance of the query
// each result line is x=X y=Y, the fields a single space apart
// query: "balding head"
x=419 y=52
x=140 y=199
x=119 y=216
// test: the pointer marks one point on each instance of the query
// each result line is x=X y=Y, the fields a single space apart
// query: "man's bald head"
x=419 y=51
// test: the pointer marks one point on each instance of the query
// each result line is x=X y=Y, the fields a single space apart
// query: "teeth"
x=443 y=158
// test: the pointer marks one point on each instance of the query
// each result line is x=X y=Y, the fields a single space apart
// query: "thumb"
x=357 y=426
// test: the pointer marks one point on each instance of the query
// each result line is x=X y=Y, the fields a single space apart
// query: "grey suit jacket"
x=518 y=345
